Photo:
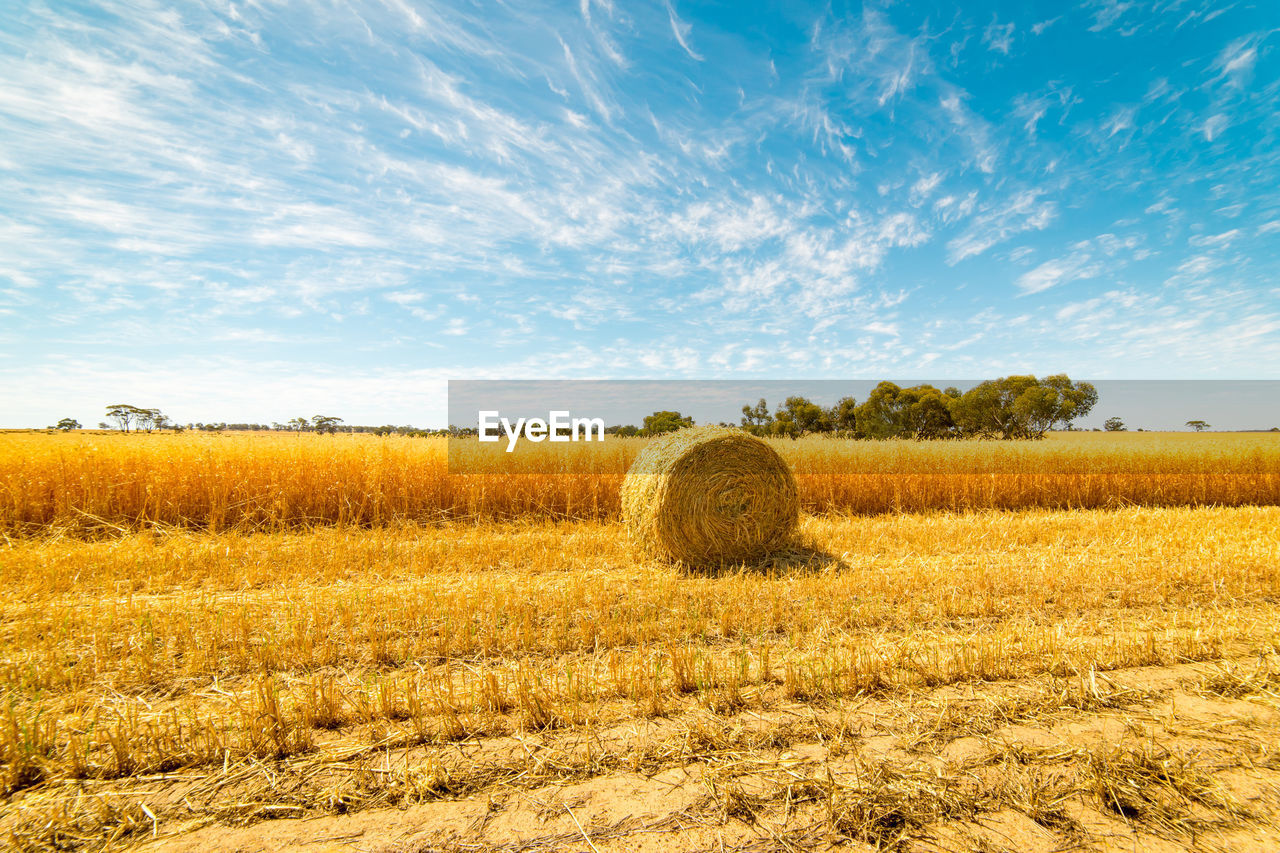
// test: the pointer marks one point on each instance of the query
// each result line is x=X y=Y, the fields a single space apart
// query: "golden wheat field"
x=265 y=642
x=270 y=482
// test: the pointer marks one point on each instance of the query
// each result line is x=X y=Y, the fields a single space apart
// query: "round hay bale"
x=709 y=495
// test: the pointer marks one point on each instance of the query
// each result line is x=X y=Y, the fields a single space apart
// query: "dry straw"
x=709 y=495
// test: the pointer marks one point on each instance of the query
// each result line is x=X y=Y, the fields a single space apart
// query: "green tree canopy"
x=806 y=415
x=325 y=423
x=660 y=422
x=755 y=416
x=124 y=414
x=1021 y=406
x=844 y=415
x=921 y=411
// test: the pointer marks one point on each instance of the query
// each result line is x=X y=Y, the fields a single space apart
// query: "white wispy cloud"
x=587 y=84
x=1000 y=220
x=1073 y=267
x=1235 y=63
x=1222 y=239
x=1121 y=120
x=681 y=30
x=317 y=227
x=998 y=37
x=1213 y=126
x=974 y=129
x=951 y=209
x=1040 y=26
x=732 y=226
x=924 y=187
x=874 y=61
x=1107 y=12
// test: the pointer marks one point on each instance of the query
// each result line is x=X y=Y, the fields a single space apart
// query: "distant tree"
x=755 y=419
x=878 y=416
x=660 y=422
x=149 y=419
x=921 y=411
x=103 y=425
x=1020 y=406
x=844 y=415
x=925 y=413
x=1114 y=425
x=621 y=431
x=806 y=415
x=325 y=423
x=1057 y=400
x=1198 y=426
x=67 y=424
x=299 y=424
x=986 y=409
x=123 y=414
x=783 y=425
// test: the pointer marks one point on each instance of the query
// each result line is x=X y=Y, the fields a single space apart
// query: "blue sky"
x=255 y=211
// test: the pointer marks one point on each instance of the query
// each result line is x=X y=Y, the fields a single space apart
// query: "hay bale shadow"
x=793 y=559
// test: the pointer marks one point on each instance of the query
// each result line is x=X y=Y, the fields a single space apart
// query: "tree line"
x=127 y=417
x=1011 y=407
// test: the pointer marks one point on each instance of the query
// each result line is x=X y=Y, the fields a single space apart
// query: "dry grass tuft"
x=1169 y=794
x=84 y=822
x=1236 y=682
x=885 y=806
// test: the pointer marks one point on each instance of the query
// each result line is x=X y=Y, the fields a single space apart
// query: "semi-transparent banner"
x=968 y=426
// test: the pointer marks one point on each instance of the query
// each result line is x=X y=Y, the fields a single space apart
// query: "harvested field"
x=912 y=681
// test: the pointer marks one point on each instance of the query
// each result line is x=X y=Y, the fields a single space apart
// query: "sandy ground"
x=1156 y=759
